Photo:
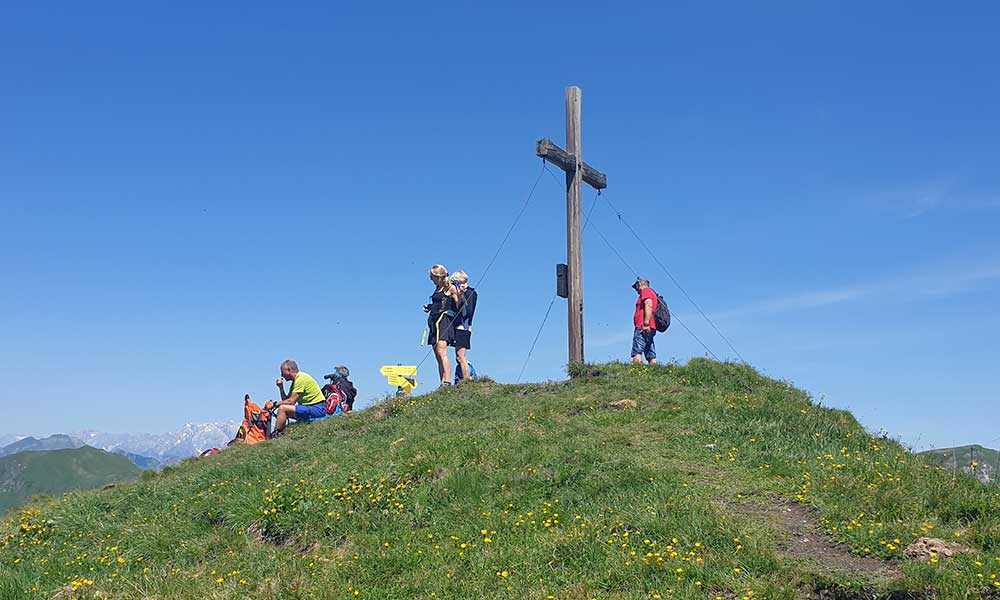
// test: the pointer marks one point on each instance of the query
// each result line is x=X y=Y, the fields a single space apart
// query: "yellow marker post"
x=401 y=376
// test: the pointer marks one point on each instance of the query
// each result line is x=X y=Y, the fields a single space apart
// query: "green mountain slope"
x=718 y=483
x=978 y=461
x=56 y=471
x=53 y=442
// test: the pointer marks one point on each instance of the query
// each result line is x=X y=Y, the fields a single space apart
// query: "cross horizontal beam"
x=547 y=149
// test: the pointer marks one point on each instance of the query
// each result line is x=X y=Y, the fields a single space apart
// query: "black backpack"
x=661 y=315
x=347 y=391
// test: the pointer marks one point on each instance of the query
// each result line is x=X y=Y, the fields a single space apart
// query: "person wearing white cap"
x=645 y=325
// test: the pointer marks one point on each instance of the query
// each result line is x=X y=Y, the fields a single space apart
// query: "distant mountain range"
x=27 y=473
x=145 y=450
x=961 y=459
x=53 y=442
x=9 y=438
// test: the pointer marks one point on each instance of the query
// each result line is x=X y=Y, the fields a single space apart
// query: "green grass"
x=518 y=491
x=55 y=471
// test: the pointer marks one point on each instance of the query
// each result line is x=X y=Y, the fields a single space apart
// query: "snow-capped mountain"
x=166 y=448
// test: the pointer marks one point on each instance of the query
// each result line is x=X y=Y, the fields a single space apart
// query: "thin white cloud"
x=938 y=281
x=914 y=200
x=955 y=192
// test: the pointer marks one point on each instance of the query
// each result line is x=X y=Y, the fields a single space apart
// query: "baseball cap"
x=640 y=279
x=338 y=371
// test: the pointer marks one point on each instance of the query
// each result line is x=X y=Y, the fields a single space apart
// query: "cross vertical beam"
x=574 y=233
x=577 y=172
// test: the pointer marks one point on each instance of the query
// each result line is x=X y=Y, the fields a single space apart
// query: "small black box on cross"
x=562 y=280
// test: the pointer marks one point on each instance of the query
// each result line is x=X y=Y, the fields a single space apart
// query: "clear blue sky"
x=191 y=193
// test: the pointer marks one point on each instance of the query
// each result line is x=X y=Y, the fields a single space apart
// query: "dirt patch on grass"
x=805 y=540
x=585 y=372
x=623 y=404
x=384 y=411
x=832 y=592
x=265 y=535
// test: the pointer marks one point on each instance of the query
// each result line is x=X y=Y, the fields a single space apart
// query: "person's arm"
x=453 y=292
x=286 y=398
x=470 y=305
x=647 y=308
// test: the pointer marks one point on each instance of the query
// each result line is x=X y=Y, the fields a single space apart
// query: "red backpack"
x=333 y=399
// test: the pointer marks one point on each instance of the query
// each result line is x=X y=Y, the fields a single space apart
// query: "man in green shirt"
x=305 y=400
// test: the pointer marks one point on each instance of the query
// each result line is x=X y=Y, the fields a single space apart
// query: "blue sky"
x=193 y=193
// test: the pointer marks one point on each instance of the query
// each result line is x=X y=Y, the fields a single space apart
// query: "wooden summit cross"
x=577 y=171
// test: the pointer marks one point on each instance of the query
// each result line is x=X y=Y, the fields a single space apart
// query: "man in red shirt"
x=645 y=326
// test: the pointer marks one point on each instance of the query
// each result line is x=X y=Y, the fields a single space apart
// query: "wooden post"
x=574 y=233
x=570 y=160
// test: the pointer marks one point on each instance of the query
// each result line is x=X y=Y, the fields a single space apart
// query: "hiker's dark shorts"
x=440 y=329
x=642 y=343
x=462 y=339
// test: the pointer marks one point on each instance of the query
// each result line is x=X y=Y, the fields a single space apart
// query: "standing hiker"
x=440 y=314
x=645 y=324
x=462 y=342
x=304 y=402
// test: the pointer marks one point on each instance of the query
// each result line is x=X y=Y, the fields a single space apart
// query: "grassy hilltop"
x=718 y=483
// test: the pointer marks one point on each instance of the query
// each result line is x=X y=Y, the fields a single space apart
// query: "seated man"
x=305 y=400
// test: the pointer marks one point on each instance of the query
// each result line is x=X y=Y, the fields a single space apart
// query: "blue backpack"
x=458 y=372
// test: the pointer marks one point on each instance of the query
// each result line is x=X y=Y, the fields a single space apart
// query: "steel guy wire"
x=746 y=386
x=548 y=310
x=503 y=242
x=672 y=278
x=537 y=334
x=562 y=184
x=634 y=272
x=673 y=315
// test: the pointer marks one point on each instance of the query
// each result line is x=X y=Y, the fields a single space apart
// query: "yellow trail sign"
x=388 y=370
x=400 y=376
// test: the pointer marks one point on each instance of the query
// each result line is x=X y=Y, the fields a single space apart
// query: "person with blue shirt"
x=462 y=337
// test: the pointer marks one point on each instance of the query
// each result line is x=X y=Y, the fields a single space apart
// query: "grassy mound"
x=524 y=491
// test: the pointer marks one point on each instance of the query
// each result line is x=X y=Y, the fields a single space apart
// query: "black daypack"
x=661 y=315
x=347 y=391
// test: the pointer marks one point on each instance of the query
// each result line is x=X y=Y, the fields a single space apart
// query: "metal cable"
x=673 y=315
x=503 y=242
x=537 y=334
x=672 y=278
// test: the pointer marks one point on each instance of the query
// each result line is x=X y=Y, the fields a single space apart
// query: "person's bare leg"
x=441 y=353
x=651 y=361
x=637 y=359
x=285 y=411
x=462 y=362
